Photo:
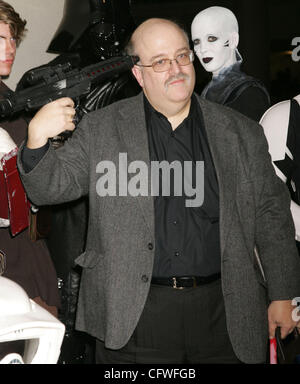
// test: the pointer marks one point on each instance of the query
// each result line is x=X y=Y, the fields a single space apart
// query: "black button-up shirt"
x=186 y=238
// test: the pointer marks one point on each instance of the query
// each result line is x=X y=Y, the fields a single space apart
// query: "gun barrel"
x=116 y=65
x=60 y=81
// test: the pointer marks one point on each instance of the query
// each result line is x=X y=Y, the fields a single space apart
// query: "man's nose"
x=10 y=47
x=174 y=67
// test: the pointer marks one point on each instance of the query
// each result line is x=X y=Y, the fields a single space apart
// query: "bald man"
x=215 y=34
x=169 y=272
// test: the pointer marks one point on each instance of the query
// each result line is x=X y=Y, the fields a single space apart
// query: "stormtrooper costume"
x=281 y=127
x=215 y=35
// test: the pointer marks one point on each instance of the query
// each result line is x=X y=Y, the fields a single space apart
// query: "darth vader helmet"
x=97 y=28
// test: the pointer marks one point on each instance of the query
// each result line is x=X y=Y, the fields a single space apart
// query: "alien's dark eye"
x=212 y=39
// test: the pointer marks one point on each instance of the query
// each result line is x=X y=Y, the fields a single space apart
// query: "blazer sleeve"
x=274 y=227
x=61 y=175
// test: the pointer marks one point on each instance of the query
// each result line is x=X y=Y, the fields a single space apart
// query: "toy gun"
x=50 y=83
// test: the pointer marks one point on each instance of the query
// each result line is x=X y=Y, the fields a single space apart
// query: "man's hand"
x=280 y=315
x=51 y=120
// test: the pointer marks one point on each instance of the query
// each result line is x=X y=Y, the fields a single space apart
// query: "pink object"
x=273 y=351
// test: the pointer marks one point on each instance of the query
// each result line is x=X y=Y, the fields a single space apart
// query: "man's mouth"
x=177 y=81
x=207 y=60
x=181 y=78
x=8 y=61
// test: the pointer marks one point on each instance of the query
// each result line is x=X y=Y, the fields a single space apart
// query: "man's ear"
x=234 y=40
x=137 y=73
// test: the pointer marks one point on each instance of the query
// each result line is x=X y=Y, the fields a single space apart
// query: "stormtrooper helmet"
x=28 y=333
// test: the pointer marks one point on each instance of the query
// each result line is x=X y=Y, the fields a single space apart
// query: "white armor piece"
x=23 y=319
x=275 y=123
x=215 y=34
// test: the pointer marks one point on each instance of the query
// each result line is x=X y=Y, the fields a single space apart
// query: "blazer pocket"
x=88 y=259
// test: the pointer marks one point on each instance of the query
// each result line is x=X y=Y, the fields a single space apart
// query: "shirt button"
x=145 y=279
x=33 y=158
x=175 y=222
x=150 y=246
x=172 y=134
x=176 y=254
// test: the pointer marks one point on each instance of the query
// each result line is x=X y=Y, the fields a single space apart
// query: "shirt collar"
x=151 y=111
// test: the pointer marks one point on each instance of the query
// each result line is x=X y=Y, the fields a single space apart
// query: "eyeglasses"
x=163 y=65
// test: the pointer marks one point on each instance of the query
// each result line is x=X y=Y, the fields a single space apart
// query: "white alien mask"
x=215 y=34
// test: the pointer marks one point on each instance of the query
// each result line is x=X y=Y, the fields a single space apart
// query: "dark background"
x=267 y=28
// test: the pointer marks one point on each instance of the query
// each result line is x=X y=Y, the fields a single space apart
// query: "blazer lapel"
x=223 y=145
x=133 y=131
